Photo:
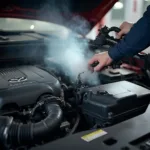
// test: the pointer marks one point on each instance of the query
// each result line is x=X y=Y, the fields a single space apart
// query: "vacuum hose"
x=12 y=133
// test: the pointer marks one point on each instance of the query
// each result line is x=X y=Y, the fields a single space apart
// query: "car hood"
x=51 y=10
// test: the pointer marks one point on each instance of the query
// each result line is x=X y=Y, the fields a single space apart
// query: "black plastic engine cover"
x=25 y=84
x=115 y=102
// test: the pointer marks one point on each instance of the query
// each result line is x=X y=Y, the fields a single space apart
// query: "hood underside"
x=51 y=10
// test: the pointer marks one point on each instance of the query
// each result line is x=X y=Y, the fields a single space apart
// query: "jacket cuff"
x=114 y=54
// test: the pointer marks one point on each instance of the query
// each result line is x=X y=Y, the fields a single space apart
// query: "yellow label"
x=94 y=135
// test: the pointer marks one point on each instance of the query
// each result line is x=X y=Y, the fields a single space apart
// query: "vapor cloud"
x=72 y=53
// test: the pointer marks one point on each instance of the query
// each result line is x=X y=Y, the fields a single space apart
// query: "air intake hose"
x=13 y=133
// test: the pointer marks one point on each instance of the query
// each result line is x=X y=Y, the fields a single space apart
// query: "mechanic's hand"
x=103 y=59
x=125 y=28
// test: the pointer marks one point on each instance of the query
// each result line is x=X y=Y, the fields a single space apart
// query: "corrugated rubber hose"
x=12 y=133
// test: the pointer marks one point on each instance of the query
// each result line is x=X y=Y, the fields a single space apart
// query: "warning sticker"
x=94 y=135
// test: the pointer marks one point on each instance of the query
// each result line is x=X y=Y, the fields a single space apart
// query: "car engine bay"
x=40 y=103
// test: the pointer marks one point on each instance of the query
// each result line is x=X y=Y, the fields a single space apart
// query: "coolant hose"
x=13 y=133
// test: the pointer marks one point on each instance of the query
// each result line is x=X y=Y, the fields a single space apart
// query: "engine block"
x=23 y=85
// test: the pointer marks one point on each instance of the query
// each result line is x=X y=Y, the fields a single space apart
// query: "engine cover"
x=115 y=102
x=23 y=85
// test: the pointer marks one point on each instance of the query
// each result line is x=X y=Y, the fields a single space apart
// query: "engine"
x=36 y=107
x=16 y=81
x=24 y=90
x=40 y=103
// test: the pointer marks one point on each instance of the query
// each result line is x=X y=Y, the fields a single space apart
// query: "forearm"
x=135 y=41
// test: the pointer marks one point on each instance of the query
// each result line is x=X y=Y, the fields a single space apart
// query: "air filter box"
x=114 y=102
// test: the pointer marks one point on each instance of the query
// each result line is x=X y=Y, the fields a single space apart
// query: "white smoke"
x=71 y=52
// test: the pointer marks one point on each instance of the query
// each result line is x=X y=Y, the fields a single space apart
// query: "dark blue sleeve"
x=135 y=41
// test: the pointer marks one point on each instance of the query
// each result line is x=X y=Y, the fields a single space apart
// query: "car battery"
x=109 y=75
